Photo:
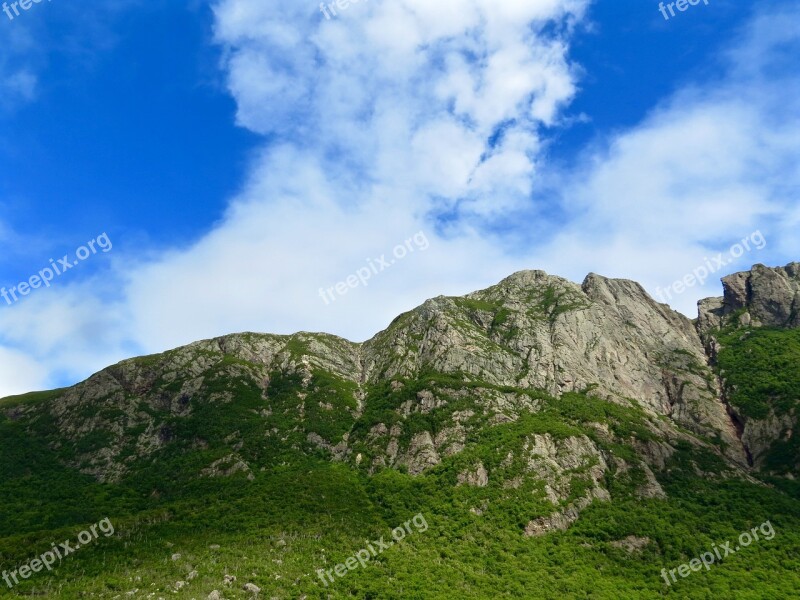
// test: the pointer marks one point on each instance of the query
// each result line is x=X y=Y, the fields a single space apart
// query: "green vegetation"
x=761 y=370
x=278 y=507
x=553 y=302
x=31 y=398
x=276 y=530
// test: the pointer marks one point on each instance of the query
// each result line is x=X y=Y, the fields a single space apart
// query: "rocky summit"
x=560 y=440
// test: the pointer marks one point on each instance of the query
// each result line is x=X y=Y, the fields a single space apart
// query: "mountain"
x=556 y=439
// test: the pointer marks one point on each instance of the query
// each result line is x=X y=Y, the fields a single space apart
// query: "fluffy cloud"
x=376 y=119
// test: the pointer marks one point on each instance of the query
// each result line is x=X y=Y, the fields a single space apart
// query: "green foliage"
x=297 y=511
x=31 y=398
x=553 y=302
x=39 y=492
x=500 y=318
x=475 y=304
x=784 y=456
x=761 y=370
x=277 y=530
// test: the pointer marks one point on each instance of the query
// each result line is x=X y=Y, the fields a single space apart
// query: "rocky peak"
x=765 y=296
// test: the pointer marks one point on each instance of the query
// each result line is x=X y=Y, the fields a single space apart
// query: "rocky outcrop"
x=476 y=477
x=559 y=520
x=555 y=462
x=765 y=296
x=651 y=488
x=759 y=435
x=421 y=454
x=338 y=452
x=227 y=467
x=632 y=543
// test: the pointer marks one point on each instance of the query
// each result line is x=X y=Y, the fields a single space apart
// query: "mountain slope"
x=541 y=421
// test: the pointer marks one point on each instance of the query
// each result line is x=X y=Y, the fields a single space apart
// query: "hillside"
x=556 y=439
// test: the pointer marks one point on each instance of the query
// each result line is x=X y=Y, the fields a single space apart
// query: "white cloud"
x=19 y=373
x=19 y=58
x=384 y=119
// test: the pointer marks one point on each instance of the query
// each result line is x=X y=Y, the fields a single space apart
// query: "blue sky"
x=241 y=155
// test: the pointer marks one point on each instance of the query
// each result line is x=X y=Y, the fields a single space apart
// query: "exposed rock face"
x=759 y=435
x=532 y=331
x=552 y=334
x=478 y=477
x=421 y=454
x=554 y=461
x=770 y=297
x=651 y=488
x=228 y=466
x=632 y=543
x=339 y=451
x=560 y=520
x=655 y=454
x=539 y=331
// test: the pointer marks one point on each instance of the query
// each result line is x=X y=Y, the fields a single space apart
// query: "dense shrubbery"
x=761 y=368
x=317 y=514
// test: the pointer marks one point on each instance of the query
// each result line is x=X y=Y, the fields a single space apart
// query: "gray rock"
x=477 y=477
x=771 y=297
x=530 y=331
x=251 y=588
x=632 y=543
x=421 y=454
